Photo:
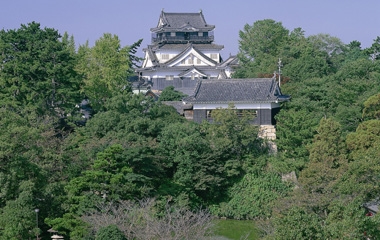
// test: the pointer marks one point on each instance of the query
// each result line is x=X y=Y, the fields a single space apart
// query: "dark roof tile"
x=182 y=20
x=237 y=90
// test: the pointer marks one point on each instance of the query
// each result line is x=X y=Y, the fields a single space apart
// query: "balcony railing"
x=182 y=39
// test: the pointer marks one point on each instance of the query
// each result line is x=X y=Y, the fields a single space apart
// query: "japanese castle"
x=182 y=52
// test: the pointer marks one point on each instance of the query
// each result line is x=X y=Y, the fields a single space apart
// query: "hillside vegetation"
x=137 y=168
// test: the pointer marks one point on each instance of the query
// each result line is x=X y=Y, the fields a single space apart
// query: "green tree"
x=110 y=232
x=17 y=218
x=205 y=159
x=263 y=37
x=259 y=47
x=362 y=176
x=170 y=94
x=327 y=43
x=374 y=50
x=295 y=131
x=105 y=68
x=327 y=159
x=372 y=108
x=298 y=223
x=37 y=71
x=109 y=179
x=253 y=196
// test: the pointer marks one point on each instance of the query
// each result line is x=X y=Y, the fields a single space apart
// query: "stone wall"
x=268 y=132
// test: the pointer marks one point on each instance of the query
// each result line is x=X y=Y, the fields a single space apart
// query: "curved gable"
x=190 y=52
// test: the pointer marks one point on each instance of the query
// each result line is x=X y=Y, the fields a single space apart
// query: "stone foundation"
x=268 y=132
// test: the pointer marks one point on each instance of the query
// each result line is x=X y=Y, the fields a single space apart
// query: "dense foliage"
x=327 y=134
x=134 y=149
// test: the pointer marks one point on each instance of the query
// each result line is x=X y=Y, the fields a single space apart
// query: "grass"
x=235 y=229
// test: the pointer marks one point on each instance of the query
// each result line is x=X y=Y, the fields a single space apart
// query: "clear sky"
x=131 y=20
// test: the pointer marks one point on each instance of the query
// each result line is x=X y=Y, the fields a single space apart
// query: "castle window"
x=208 y=114
x=165 y=56
x=190 y=61
x=249 y=113
x=214 y=56
x=200 y=34
x=183 y=61
x=169 y=77
x=172 y=34
x=199 y=61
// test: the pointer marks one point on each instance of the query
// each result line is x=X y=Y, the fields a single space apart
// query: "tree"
x=288 y=226
x=327 y=160
x=374 y=50
x=253 y=197
x=259 y=47
x=170 y=94
x=304 y=58
x=109 y=232
x=326 y=43
x=37 y=71
x=204 y=159
x=105 y=68
x=372 y=108
x=109 y=179
x=263 y=37
x=141 y=220
x=295 y=131
x=17 y=218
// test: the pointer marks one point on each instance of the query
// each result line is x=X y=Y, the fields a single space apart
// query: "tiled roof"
x=191 y=70
x=152 y=56
x=182 y=20
x=237 y=90
x=222 y=75
x=231 y=61
x=178 y=105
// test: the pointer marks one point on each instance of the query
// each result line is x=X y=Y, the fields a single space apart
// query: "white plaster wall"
x=237 y=105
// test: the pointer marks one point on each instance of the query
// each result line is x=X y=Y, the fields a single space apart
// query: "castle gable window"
x=214 y=56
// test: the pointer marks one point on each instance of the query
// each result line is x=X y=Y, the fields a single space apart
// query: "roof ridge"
x=197 y=87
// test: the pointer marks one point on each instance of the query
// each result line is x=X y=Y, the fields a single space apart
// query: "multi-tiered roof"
x=182 y=51
x=182 y=28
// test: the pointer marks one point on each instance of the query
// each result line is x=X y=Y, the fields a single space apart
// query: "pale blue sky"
x=131 y=19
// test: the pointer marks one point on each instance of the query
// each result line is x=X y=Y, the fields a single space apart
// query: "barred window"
x=169 y=77
x=250 y=113
x=214 y=55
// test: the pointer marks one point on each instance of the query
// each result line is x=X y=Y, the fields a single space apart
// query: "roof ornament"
x=279 y=71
